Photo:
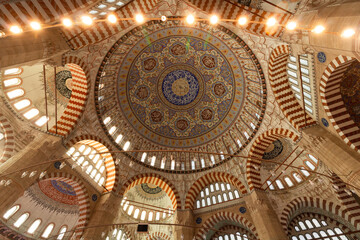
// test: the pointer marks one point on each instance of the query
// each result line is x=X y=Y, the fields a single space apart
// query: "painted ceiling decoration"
x=179 y=86
x=59 y=191
x=274 y=150
x=150 y=188
x=350 y=91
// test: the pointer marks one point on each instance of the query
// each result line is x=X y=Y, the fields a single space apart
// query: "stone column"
x=106 y=212
x=184 y=217
x=264 y=217
x=43 y=148
x=333 y=152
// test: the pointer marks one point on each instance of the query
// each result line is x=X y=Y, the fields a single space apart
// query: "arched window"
x=34 y=226
x=12 y=82
x=231 y=197
x=130 y=209
x=219 y=198
x=48 y=231
x=15 y=93
x=288 y=181
x=22 y=104
x=126 y=146
x=236 y=193
x=11 y=211
x=310 y=165
x=202 y=162
x=150 y=217
x=297 y=177
x=212 y=188
x=208 y=201
x=136 y=213
x=12 y=71
x=62 y=233
x=314 y=159
x=198 y=204
x=225 y=197
x=203 y=204
x=213 y=198
x=157 y=217
x=21 y=220
x=143 y=215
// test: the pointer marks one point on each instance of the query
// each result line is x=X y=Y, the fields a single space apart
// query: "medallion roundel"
x=179 y=86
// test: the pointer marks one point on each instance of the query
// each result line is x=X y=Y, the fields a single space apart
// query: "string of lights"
x=190 y=19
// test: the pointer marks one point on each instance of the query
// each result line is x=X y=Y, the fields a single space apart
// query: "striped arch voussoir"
x=284 y=96
x=155 y=179
x=112 y=171
x=225 y=216
x=207 y=179
x=304 y=202
x=82 y=196
x=77 y=101
x=257 y=151
x=9 y=138
x=334 y=105
x=158 y=235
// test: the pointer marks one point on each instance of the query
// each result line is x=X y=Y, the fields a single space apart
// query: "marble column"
x=43 y=148
x=264 y=217
x=333 y=152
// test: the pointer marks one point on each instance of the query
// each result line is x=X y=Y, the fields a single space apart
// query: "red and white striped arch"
x=9 y=138
x=333 y=104
x=158 y=236
x=350 y=204
x=257 y=151
x=207 y=179
x=77 y=101
x=82 y=196
x=225 y=216
x=112 y=173
x=306 y=202
x=79 y=37
x=232 y=10
x=284 y=96
x=23 y=12
x=157 y=180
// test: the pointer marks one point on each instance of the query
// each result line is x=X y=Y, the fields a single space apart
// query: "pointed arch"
x=257 y=150
x=207 y=179
x=305 y=202
x=77 y=101
x=284 y=96
x=157 y=235
x=9 y=138
x=225 y=216
x=112 y=171
x=333 y=104
x=155 y=179
x=82 y=196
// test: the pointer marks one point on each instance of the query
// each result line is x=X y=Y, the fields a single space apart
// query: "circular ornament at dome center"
x=176 y=86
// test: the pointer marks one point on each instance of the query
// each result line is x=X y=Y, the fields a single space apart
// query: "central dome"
x=180 y=88
x=167 y=85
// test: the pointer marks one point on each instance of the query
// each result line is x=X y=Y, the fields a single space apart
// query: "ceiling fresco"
x=179 y=86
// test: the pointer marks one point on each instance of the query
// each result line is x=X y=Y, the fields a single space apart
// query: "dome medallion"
x=179 y=86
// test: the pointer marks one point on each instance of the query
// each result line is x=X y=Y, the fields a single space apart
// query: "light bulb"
x=214 y=19
x=67 y=22
x=291 y=26
x=318 y=29
x=347 y=33
x=139 y=18
x=190 y=19
x=15 y=29
x=271 y=22
x=242 y=20
x=35 y=25
x=163 y=18
x=86 y=20
x=112 y=18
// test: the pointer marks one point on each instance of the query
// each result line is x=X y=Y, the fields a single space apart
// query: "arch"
x=112 y=171
x=207 y=179
x=9 y=137
x=333 y=104
x=82 y=195
x=223 y=216
x=257 y=150
x=303 y=202
x=157 y=235
x=284 y=96
x=77 y=101
x=156 y=179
